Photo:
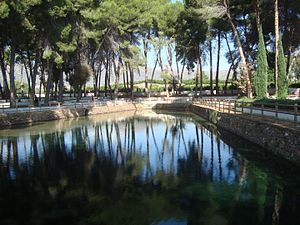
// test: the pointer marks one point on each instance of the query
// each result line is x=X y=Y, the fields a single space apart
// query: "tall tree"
x=276 y=45
x=218 y=62
x=261 y=76
x=245 y=62
x=282 y=77
x=190 y=38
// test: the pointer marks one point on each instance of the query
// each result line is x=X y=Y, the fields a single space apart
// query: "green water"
x=141 y=169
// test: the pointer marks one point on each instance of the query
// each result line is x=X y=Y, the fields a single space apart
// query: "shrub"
x=282 y=78
x=295 y=85
x=261 y=75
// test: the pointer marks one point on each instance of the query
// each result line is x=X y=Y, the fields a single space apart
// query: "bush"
x=282 y=78
x=157 y=88
x=269 y=101
x=295 y=85
x=233 y=87
x=261 y=74
x=271 y=85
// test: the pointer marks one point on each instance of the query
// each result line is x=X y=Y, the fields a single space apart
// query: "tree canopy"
x=51 y=39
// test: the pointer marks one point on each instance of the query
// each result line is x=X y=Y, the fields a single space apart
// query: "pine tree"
x=282 y=78
x=261 y=76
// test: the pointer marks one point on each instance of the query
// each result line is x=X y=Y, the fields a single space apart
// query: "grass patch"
x=269 y=101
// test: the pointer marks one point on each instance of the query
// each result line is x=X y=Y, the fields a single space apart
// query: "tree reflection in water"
x=161 y=169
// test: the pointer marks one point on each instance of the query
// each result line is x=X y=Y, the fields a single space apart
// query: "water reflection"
x=154 y=169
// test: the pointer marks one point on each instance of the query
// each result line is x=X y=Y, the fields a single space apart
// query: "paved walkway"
x=290 y=116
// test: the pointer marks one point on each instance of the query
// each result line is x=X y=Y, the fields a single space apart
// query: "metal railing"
x=169 y=100
x=278 y=111
x=66 y=105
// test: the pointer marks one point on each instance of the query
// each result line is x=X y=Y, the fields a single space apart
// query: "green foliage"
x=4 y=10
x=191 y=33
x=21 y=87
x=271 y=75
x=58 y=60
x=157 y=88
x=48 y=53
x=66 y=32
x=269 y=101
x=81 y=75
x=294 y=72
x=66 y=47
x=282 y=76
x=261 y=75
x=295 y=85
x=165 y=75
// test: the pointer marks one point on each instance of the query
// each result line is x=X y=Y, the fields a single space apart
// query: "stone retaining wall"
x=277 y=138
x=21 y=118
x=176 y=107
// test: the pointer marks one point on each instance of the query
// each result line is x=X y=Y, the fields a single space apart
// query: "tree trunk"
x=197 y=73
x=84 y=90
x=55 y=89
x=1 y=91
x=131 y=81
x=97 y=77
x=79 y=93
x=124 y=79
x=29 y=73
x=177 y=71
x=6 y=91
x=177 y=68
x=287 y=36
x=160 y=61
x=49 y=81
x=210 y=65
x=41 y=83
x=34 y=75
x=201 y=76
x=106 y=76
x=232 y=61
x=13 y=102
x=227 y=77
x=145 y=42
x=99 y=81
x=276 y=45
x=241 y=52
x=61 y=86
x=153 y=71
x=181 y=75
x=117 y=66
x=170 y=62
x=27 y=77
x=109 y=80
x=218 y=63
x=127 y=78
x=170 y=58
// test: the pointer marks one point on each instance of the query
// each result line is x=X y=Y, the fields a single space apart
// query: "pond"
x=135 y=169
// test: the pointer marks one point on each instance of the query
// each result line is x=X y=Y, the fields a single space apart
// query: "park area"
x=158 y=112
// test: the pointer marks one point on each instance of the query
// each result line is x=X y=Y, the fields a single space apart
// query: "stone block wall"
x=21 y=118
x=281 y=140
